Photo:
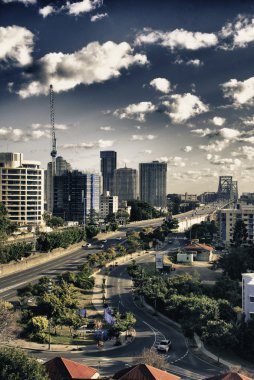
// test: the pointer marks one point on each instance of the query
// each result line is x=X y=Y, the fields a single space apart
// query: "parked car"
x=164 y=345
x=104 y=241
x=119 y=238
x=88 y=245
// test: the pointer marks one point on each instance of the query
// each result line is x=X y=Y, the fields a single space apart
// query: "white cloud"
x=203 y=132
x=20 y=135
x=102 y=144
x=16 y=44
x=184 y=106
x=216 y=146
x=80 y=7
x=161 y=84
x=98 y=17
x=241 y=92
x=245 y=151
x=230 y=164
x=148 y=151
x=107 y=128
x=173 y=161
x=47 y=10
x=238 y=34
x=219 y=121
x=142 y=137
x=249 y=121
x=25 y=2
x=177 y=39
x=135 y=111
x=61 y=127
x=94 y=63
x=195 y=175
x=194 y=62
x=187 y=149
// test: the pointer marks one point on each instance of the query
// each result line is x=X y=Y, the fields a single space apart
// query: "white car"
x=119 y=238
x=164 y=345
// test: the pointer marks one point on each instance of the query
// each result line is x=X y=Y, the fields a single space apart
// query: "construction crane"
x=53 y=152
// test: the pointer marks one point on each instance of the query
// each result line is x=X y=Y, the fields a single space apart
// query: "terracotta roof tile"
x=60 y=368
x=144 y=372
x=230 y=376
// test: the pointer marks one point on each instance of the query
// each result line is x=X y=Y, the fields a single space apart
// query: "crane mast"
x=53 y=152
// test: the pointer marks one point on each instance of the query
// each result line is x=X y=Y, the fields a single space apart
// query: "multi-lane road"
x=149 y=329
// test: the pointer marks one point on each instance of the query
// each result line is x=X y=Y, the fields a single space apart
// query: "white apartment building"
x=108 y=204
x=21 y=188
x=248 y=295
x=228 y=217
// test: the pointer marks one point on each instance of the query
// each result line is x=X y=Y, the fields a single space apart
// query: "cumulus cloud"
x=142 y=137
x=249 y=121
x=61 y=127
x=195 y=175
x=230 y=164
x=187 y=149
x=203 y=132
x=194 y=62
x=136 y=111
x=177 y=39
x=219 y=121
x=225 y=133
x=216 y=146
x=161 y=84
x=84 y=6
x=16 y=45
x=47 y=10
x=94 y=63
x=240 y=92
x=173 y=161
x=246 y=152
x=98 y=17
x=107 y=128
x=89 y=145
x=22 y=135
x=148 y=151
x=184 y=106
x=237 y=34
x=25 y=2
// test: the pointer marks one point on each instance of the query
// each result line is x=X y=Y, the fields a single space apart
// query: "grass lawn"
x=65 y=338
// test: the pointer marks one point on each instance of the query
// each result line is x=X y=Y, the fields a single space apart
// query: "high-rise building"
x=62 y=166
x=77 y=196
x=153 y=183
x=108 y=204
x=21 y=188
x=125 y=184
x=108 y=166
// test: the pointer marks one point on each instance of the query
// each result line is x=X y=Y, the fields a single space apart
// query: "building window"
x=252 y=316
x=251 y=298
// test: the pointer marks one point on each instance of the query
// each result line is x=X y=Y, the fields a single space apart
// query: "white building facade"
x=108 y=204
x=228 y=217
x=248 y=295
x=22 y=188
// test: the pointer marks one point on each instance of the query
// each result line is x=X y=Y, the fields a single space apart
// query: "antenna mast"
x=53 y=152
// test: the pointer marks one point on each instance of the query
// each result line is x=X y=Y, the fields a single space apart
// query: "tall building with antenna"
x=51 y=168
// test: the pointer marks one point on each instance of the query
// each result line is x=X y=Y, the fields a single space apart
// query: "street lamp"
x=49 y=325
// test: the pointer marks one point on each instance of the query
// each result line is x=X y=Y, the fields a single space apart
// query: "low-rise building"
x=228 y=217
x=248 y=295
x=201 y=252
x=108 y=204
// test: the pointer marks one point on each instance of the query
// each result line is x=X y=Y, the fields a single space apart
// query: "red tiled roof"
x=144 y=372
x=198 y=246
x=230 y=376
x=60 y=368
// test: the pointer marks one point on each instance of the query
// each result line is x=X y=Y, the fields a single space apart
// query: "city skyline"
x=169 y=81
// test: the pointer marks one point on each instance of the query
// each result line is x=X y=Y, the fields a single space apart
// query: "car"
x=102 y=246
x=88 y=245
x=104 y=241
x=165 y=345
x=119 y=238
x=170 y=242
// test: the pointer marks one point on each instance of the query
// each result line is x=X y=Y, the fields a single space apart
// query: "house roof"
x=230 y=376
x=198 y=246
x=62 y=369
x=144 y=372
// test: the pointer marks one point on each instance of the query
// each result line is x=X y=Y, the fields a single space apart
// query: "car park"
x=165 y=345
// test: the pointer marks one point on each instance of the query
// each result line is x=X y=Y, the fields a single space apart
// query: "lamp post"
x=49 y=325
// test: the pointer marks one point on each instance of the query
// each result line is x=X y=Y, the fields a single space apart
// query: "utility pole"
x=49 y=325
x=53 y=152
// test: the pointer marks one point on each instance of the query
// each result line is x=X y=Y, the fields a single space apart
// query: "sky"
x=151 y=79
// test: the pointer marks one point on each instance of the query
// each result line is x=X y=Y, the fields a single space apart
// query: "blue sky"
x=166 y=80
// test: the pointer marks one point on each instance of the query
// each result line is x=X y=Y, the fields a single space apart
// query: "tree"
x=7 y=320
x=203 y=231
x=6 y=226
x=240 y=234
x=142 y=211
x=17 y=365
x=152 y=358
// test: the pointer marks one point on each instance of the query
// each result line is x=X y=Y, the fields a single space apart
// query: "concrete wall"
x=185 y=224
x=185 y=257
